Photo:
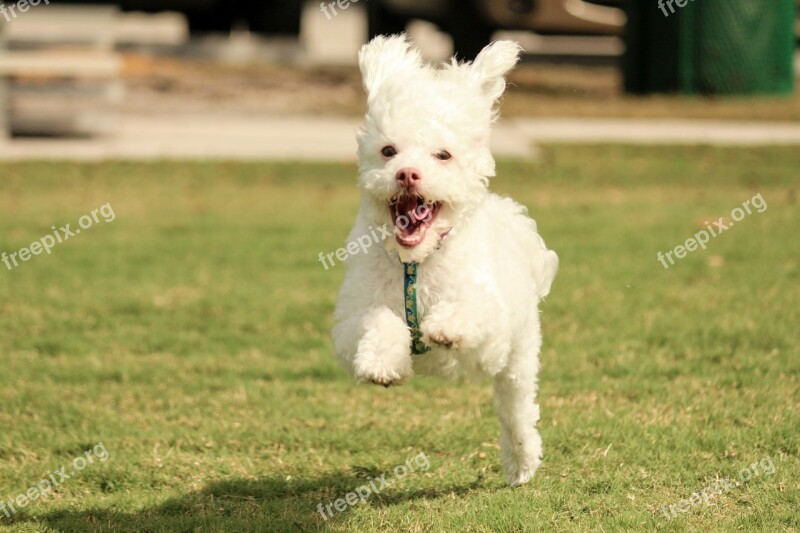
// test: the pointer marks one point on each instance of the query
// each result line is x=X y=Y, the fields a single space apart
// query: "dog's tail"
x=545 y=267
x=544 y=262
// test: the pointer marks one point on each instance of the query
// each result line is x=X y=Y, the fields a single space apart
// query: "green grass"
x=190 y=337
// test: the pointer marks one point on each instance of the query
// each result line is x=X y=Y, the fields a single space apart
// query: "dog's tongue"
x=414 y=209
x=421 y=213
x=407 y=206
x=410 y=217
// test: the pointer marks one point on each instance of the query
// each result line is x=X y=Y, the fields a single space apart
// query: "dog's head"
x=423 y=153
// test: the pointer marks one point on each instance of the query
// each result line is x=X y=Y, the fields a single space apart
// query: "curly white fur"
x=478 y=288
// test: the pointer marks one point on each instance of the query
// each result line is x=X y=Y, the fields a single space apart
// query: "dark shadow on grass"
x=269 y=504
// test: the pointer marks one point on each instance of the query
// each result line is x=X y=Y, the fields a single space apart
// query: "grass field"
x=190 y=337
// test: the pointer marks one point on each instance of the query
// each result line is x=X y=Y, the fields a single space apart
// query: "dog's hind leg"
x=515 y=403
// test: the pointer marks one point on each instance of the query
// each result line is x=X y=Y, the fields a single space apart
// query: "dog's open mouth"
x=412 y=216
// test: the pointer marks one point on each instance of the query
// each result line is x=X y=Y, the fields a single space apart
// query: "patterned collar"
x=412 y=315
x=412 y=318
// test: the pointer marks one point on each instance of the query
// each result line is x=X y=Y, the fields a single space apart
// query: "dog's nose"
x=408 y=176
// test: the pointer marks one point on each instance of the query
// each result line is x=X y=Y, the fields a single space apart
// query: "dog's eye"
x=388 y=151
x=444 y=155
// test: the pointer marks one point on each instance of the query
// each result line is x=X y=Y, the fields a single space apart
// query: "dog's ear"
x=384 y=57
x=492 y=64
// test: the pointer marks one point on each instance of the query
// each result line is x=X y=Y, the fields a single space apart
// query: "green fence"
x=710 y=46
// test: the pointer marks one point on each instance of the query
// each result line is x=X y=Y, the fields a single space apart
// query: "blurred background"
x=190 y=335
x=187 y=78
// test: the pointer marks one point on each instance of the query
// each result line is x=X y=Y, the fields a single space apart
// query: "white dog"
x=455 y=292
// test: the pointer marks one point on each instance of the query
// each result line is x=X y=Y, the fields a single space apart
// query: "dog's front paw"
x=384 y=352
x=444 y=327
x=372 y=369
x=435 y=335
